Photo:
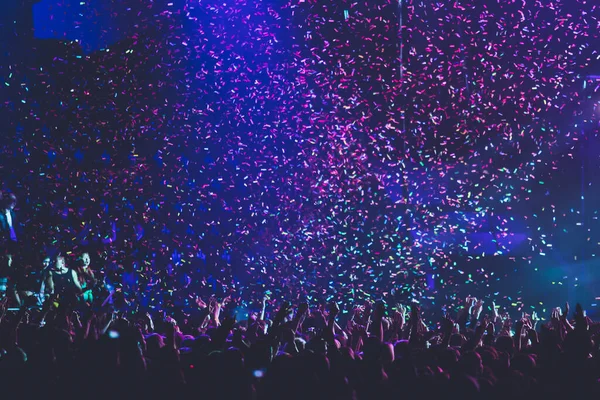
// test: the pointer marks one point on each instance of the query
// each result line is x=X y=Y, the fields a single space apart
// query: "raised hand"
x=477 y=308
x=379 y=311
x=225 y=301
x=303 y=309
x=200 y=303
x=481 y=329
x=490 y=329
x=470 y=302
x=533 y=336
x=519 y=325
x=527 y=324
x=414 y=310
x=565 y=313
x=416 y=327
x=403 y=310
x=284 y=310
x=77 y=317
x=581 y=322
x=367 y=309
x=555 y=317
x=506 y=326
x=170 y=330
x=212 y=304
x=170 y=320
x=447 y=325
x=399 y=320
x=334 y=309
x=495 y=314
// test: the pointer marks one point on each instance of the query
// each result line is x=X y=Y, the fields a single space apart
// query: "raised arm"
x=476 y=311
x=263 y=308
x=299 y=317
x=376 y=327
x=398 y=323
x=76 y=280
x=334 y=310
x=415 y=324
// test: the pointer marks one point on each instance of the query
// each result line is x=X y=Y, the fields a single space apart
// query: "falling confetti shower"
x=313 y=148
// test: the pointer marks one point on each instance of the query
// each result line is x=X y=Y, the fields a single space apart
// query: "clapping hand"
x=470 y=302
